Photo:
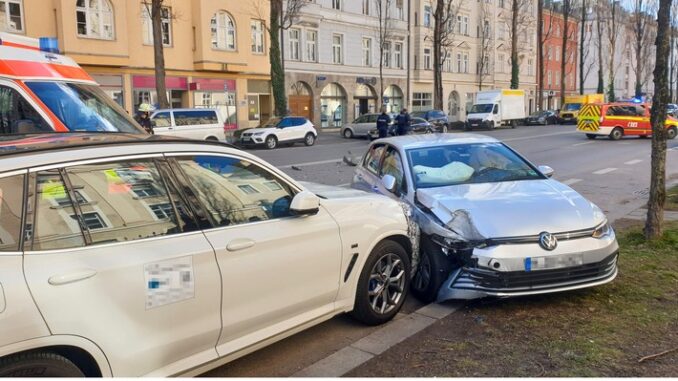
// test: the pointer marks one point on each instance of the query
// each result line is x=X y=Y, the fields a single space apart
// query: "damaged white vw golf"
x=492 y=224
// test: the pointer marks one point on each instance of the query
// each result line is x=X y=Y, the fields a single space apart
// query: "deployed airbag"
x=453 y=172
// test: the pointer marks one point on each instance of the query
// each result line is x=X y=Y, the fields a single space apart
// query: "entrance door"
x=363 y=106
x=301 y=105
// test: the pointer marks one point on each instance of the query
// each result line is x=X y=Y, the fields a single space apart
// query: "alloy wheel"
x=386 y=284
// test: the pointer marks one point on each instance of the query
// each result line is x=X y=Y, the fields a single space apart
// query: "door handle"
x=239 y=244
x=76 y=276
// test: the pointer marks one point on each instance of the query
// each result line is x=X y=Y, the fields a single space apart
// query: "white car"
x=142 y=255
x=286 y=130
x=190 y=123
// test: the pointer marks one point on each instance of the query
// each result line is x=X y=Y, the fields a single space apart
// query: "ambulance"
x=573 y=103
x=43 y=91
x=616 y=120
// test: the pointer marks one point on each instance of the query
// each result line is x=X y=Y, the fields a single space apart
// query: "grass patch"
x=672 y=199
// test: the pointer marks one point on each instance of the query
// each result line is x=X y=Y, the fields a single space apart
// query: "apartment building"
x=216 y=52
x=478 y=58
x=331 y=58
x=553 y=29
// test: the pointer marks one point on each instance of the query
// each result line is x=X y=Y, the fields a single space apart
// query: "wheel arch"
x=83 y=353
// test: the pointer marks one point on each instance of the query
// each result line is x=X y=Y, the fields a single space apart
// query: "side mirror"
x=389 y=183
x=546 y=170
x=305 y=203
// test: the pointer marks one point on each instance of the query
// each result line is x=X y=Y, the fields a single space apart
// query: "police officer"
x=403 y=121
x=144 y=117
x=382 y=123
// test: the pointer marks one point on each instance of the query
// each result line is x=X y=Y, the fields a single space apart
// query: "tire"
x=309 y=139
x=211 y=139
x=38 y=364
x=616 y=133
x=271 y=142
x=591 y=136
x=514 y=123
x=671 y=133
x=432 y=272
x=642 y=136
x=445 y=128
x=348 y=134
x=378 y=309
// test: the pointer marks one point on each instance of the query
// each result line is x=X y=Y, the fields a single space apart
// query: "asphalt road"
x=613 y=174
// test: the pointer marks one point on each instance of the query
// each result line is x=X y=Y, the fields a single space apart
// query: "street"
x=612 y=174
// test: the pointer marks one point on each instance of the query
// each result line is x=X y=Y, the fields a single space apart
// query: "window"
x=398 y=55
x=462 y=25
x=367 y=52
x=399 y=10
x=366 y=7
x=427 y=59
x=393 y=165
x=231 y=190
x=500 y=63
x=94 y=18
x=530 y=67
x=294 y=44
x=459 y=67
x=162 y=211
x=557 y=53
x=147 y=25
x=11 y=209
x=17 y=116
x=223 y=31
x=336 y=4
x=92 y=220
x=337 y=47
x=465 y=66
x=386 y=58
x=312 y=45
x=257 y=29
x=373 y=157
x=195 y=118
x=11 y=16
x=427 y=15
x=548 y=81
x=422 y=101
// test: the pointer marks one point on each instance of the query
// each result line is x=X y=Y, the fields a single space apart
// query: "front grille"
x=568 y=115
x=524 y=280
x=247 y=134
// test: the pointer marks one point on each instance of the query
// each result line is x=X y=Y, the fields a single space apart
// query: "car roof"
x=430 y=140
x=14 y=145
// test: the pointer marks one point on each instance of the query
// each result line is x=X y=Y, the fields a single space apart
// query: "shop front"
x=219 y=94
x=143 y=87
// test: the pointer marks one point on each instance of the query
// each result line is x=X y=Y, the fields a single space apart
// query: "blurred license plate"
x=555 y=262
x=246 y=138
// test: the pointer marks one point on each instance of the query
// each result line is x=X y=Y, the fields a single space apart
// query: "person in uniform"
x=144 y=117
x=403 y=121
x=382 y=124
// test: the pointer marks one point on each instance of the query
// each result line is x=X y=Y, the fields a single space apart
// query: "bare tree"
x=384 y=36
x=283 y=14
x=567 y=36
x=444 y=25
x=612 y=30
x=544 y=31
x=584 y=46
x=600 y=11
x=486 y=41
x=655 y=209
x=640 y=21
x=518 y=21
x=155 y=9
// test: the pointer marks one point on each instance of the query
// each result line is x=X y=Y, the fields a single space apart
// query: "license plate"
x=246 y=138
x=474 y=124
x=554 y=262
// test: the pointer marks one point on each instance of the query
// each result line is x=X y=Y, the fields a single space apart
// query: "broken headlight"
x=455 y=244
x=603 y=230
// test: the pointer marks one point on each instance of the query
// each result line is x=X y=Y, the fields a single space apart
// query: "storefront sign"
x=366 y=80
x=148 y=82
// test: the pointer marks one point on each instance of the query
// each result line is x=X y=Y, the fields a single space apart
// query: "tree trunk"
x=515 y=65
x=599 y=29
x=540 y=53
x=639 y=35
x=437 y=54
x=581 y=46
x=612 y=36
x=655 y=206
x=277 y=72
x=158 y=54
x=563 y=57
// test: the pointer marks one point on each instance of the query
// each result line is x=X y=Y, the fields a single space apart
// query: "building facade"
x=553 y=29
x=332 y=60
x=216 y=52
x=478 y=56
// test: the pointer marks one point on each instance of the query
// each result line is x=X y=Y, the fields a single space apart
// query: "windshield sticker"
x=169 y=281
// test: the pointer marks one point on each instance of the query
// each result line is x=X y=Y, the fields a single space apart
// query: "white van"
x=191 y=123
x=494 y=108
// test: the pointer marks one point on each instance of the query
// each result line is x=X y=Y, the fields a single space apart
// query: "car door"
x=162 y=123
x=283 y=131
x=369 y=123
x=278 y=271
x=392 y=164
x=365 y=175
x=297 y=130
x=114 y=255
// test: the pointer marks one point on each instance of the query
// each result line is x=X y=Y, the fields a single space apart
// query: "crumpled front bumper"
x=502 y=271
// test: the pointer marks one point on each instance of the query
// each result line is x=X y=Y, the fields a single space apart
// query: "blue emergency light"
x=49 y=45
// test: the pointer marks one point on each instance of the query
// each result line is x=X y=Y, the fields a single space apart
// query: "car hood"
x=331 y=191
x=482 y=116
x=263 y=129
x=510 y=209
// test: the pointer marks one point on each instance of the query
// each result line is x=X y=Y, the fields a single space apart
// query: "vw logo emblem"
x=547 y=241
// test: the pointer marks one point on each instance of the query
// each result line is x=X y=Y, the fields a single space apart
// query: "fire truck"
x=44 y=91
x=616 y=120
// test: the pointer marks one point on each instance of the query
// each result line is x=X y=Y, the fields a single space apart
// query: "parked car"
x=545 y=117
x=492 y=223
x=190 y=123
x=417 y=126
x=436 y=117
x=672 y=110
x=619 y=119
x=160 y=256
x=286 y=130
x=360 y=127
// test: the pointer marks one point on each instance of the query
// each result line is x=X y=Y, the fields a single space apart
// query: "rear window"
x=162 y=119
x=197 y=117
x=11 y=202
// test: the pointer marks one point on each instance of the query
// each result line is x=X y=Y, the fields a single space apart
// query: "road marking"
x=604 y=171
x=571 y=181
x=376 y=343
x=582 y=144
x=538 y=136
x=631 y=162
x=310 y=163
